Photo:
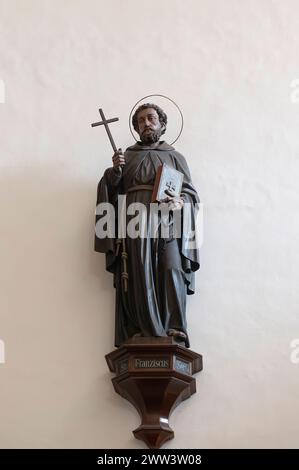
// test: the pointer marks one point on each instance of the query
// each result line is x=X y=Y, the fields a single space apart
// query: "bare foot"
x=137 y=335
x=177 y=334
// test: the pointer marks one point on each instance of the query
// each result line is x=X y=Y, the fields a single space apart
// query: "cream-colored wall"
x=230 y=65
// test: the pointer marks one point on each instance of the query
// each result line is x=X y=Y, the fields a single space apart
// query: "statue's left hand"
x=174 y=202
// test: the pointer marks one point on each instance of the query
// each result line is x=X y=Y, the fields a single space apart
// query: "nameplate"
x=152 y=363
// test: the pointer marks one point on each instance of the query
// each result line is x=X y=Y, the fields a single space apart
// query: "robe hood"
x=162 y=146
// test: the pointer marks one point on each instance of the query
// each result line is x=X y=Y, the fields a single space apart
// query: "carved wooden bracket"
x=155 y=375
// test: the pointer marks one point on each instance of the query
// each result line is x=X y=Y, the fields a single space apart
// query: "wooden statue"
x=153 y=272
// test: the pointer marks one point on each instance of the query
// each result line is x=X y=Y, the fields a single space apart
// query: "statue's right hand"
x=118 y=160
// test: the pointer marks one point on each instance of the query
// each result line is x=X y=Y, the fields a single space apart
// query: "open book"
x=167 y=178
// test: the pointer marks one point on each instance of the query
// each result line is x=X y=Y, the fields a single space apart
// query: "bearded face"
x=150 y=136
x=149 y=126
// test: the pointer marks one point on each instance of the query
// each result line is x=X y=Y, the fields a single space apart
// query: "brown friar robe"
x=160 y=270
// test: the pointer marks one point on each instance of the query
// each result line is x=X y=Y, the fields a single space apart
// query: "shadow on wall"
x=47 y=256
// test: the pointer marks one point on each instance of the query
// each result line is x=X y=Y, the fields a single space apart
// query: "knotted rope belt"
x=140 y=187
x=122 y=241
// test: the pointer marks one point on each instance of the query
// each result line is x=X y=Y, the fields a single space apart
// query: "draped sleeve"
x=107 y=191
x=189 y=239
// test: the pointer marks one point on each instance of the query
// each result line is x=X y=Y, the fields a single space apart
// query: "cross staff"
x=124 y=256
x=105 y=122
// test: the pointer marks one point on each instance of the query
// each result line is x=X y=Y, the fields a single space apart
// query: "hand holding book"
x=174 y=202
x=168 y=186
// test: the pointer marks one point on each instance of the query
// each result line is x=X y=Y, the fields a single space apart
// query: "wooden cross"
x=105 y=122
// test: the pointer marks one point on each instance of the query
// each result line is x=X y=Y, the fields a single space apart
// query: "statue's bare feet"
x=177 y=334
